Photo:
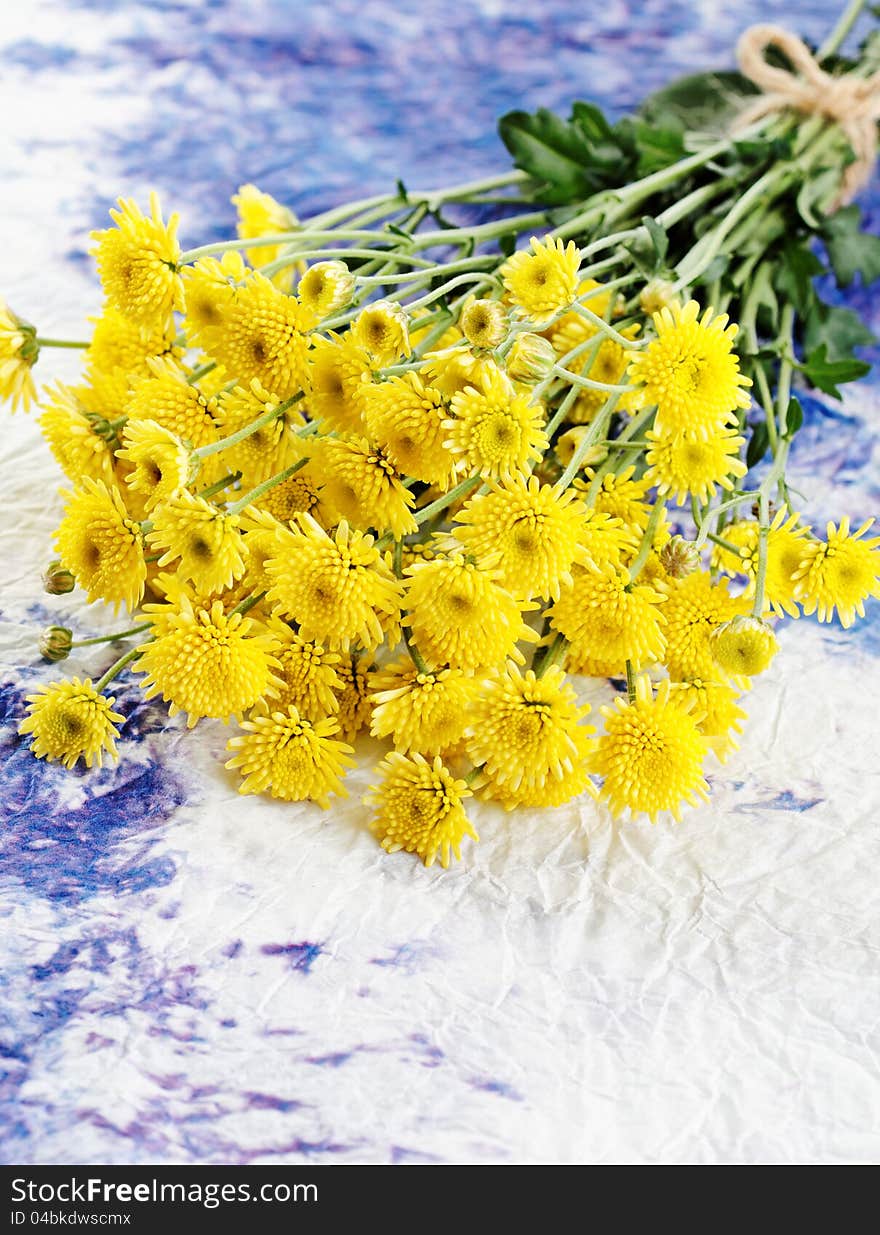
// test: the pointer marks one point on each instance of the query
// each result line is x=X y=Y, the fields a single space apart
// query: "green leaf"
x=794 y=418
x=649 y=252
x=401 y=191
x=815 y=195
x=703 y=102
x=797 y=268
x=758 y=443
x=657 y=148
x=825 y=374
x=839 y=329
x=851 y=250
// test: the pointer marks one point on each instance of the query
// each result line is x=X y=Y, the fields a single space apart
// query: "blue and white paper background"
x=190 y=976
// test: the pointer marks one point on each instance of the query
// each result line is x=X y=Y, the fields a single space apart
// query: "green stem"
x=253 y=494
x=596 y=430
x=119 y=634
x=117 y=667
x=845 y=23
x=273 y=413
x=41 y=342
x=248 y=603
x=553 y=653
x=460 y=490
x=641 y=557
x=630 y=682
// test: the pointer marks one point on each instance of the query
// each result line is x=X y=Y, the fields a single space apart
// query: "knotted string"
x=851 y=102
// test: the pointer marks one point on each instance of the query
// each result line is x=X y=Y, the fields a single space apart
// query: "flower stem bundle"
x=416 y=464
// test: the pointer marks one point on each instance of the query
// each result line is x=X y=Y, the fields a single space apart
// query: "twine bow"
x=851 y=102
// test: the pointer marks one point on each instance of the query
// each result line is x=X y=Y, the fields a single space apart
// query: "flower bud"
x=656 y=295
x=531 y=358
x=326 y=287
x=55 y=643
x=484 y=323
x=567 y=444
x=744 y=645
x=58 y=580
x=679 y=557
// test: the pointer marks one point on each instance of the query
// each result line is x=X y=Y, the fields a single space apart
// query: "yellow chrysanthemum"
x=682 y=464
x=690 y=371
x=528 y=532
x=203 y=541
x=695 y=606
x=104 y=395
x=69 y=720
x=299 y=494
x=73 y=437
x=339 y=372
x=651 y=754
x=168 y=398
x=544 y=281
x=354 y=702
x=419 y=808
x=623 y=497
x=494 y=430
x=839 y=573
x=460 y=616
x=743 y=646
x=406 y=417
x=362 y=486
x=555 y=791
x=138 y=262
x=421 y=711
x=609 y=621
x=570 y=441
x=270 y=449
x=307 y=670
x=259 y=214
x=381 y=329
x=786 y=541
x=325 y=288
x=121 y=345
x=159 y=461
x=527 y=730
x=714 y=708
x=453 y=371
x=483 y=323
x=102 y=546
x=261 y=334
x=205 y=662
x=295 y=759
x=336 y=587
x=209 y=287
x=604 y=361
x=18 y=353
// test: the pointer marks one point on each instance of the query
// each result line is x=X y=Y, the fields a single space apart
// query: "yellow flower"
x=421 y=711
x=69 y=720
x=355 y=706
x=494 y=430
x=121 y=345
x=307 y=670
x=261 y=334
x=786 y=544
x=167 y=398
x=259 y=214
x=555 y=790
x=18 y=353
x=460 y=616
x=325 y=288
x=743 y=646
x=299 y=494
x=527 y=730
x=543 y=282
x=205 y=539
x=138 y=263
x=695 y=606
x=381 y=330
x=406 y=417
x=651 y=753
x=294 y=758
x=609 y=621
x=209 y=287
x=419 y=808
x=483 y=323
x=336 y=587
x=102 y=546
x=160 y=462
x=205 y=662
x=362 y=485
x=682 y=464
x=526 y=531
x=339 y=373
x=714 y=708
x=270 y=449
x=451 y=372
x=605 y=537
x=605 y=361
x=690 y=371
x=80 y=450
x=623 y=497
x=840 y=573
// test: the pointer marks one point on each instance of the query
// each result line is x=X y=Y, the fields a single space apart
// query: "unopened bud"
x=679 y=557
x=58 y=580
x=55 y=643
x=568 y=443
x=326 y=287
x=484 y=323
x=744 y=645
x=531 y=358
x=656 y=295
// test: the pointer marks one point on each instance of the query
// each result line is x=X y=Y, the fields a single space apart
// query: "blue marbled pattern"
x=191 y=978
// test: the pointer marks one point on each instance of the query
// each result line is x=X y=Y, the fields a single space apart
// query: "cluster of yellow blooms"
x=334 y=513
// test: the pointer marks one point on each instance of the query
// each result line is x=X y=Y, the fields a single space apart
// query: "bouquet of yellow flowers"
x=417 y=463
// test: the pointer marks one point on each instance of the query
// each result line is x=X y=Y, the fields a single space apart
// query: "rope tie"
x=851 y=102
